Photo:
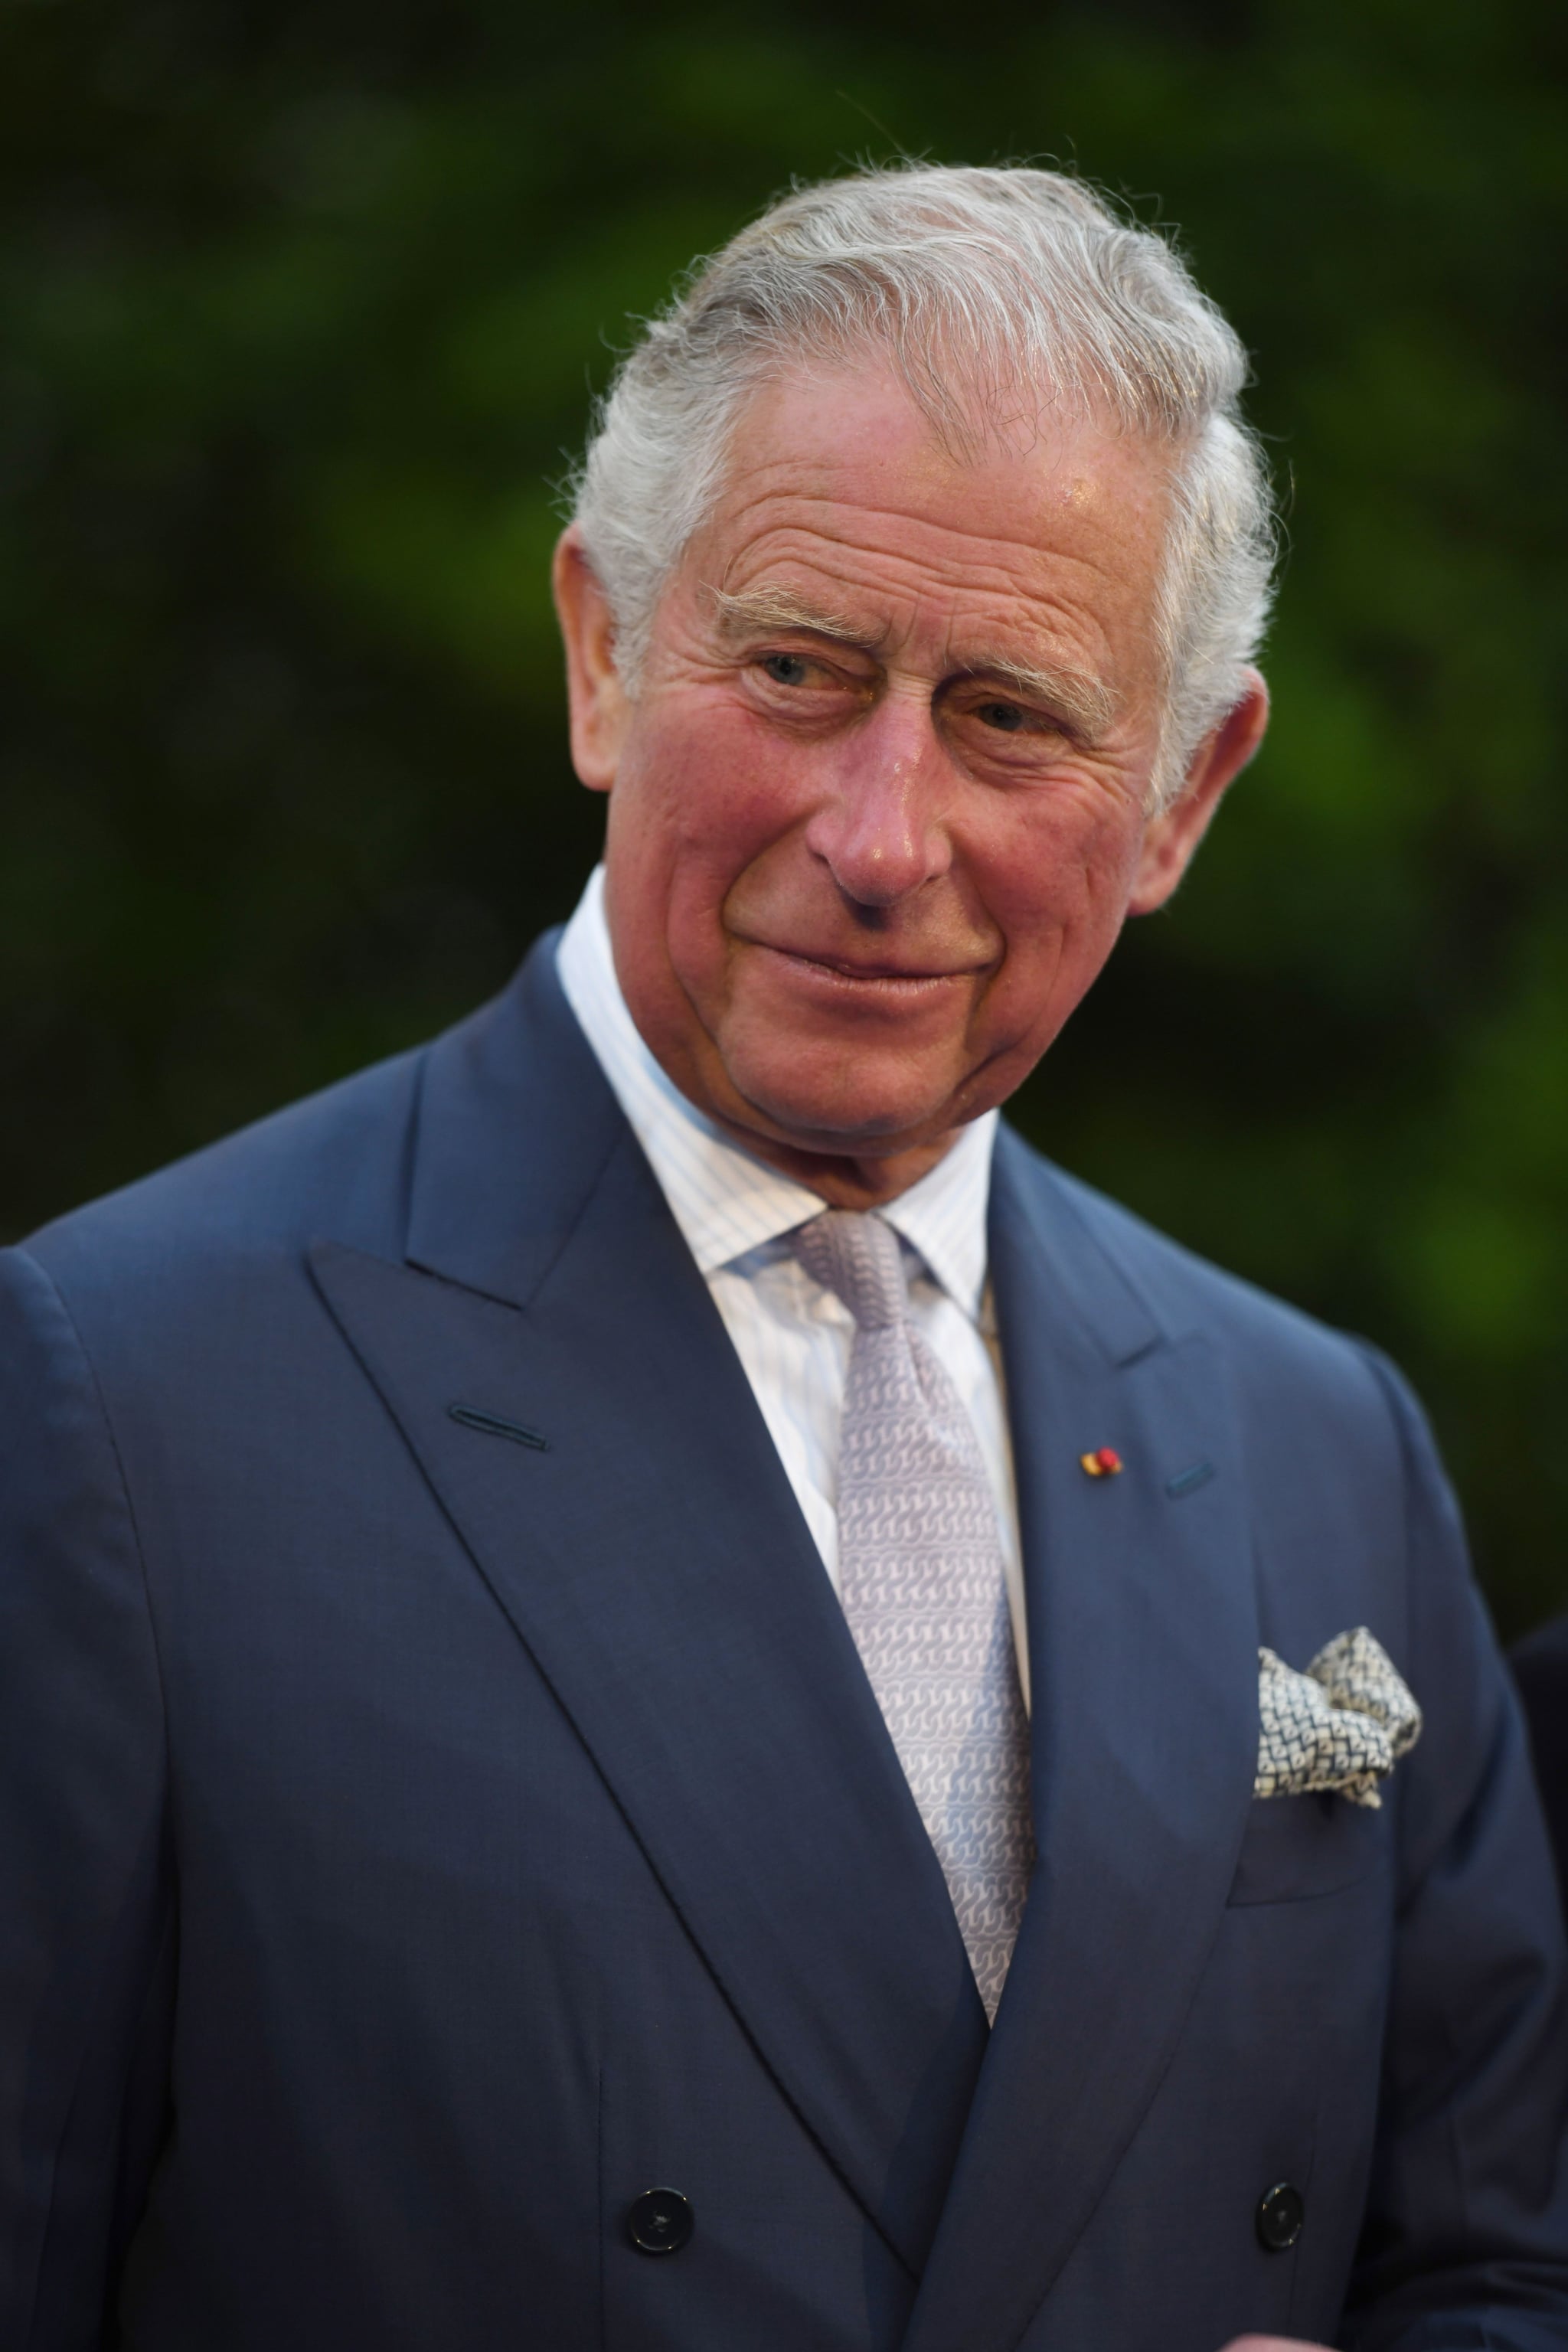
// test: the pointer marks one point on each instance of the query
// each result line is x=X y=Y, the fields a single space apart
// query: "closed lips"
x=841 y=968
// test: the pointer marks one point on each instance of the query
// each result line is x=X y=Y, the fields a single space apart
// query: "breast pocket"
x=1297 y=1847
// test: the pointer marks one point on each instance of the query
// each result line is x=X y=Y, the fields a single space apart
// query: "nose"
x=881 y=830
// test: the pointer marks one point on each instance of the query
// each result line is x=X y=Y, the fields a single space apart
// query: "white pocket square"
x=1339 y=1727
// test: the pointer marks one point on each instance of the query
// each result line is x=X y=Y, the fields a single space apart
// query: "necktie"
x=924 y=1591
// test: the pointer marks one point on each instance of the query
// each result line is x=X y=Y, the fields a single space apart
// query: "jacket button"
x=1280 y=2213
x=659 y=2222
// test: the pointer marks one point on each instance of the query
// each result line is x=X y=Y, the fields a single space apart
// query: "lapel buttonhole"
x=492 y=1425
x=1188 y=1481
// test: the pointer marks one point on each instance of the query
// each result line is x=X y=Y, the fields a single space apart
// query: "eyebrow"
x=1086 y=704
x=781 y=608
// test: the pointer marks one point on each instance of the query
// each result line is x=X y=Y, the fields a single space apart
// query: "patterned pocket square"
x=1341 y=1727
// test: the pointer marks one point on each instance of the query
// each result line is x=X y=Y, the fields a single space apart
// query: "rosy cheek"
x=717 y=781
x=1057 y=882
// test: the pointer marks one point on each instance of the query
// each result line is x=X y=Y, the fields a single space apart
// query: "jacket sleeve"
x=86 y=1915
x=1466 y=2243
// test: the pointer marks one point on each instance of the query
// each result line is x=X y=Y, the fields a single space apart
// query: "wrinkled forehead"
x=838 y=492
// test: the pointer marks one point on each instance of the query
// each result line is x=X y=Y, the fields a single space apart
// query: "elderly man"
x=658 y=1693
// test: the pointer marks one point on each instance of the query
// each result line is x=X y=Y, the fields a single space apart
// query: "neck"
x=841 y=1178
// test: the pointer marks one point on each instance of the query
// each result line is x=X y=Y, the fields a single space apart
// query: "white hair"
x=992 y=291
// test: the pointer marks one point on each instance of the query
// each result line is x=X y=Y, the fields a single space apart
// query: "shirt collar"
x=725 y=1201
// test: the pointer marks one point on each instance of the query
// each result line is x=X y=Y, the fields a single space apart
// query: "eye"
x=787 y=669
x=1004 y=715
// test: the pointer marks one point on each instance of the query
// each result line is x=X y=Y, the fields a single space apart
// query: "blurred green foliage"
x=303 y=308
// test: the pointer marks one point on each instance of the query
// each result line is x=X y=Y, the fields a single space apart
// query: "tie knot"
x=856 y=1256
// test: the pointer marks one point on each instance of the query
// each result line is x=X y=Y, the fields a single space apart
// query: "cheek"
x=1061 y=868
x=705 y=787
x=699 y=801
x=1057 y=888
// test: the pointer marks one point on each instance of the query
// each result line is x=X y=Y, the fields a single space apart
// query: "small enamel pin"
x=1104 y=1463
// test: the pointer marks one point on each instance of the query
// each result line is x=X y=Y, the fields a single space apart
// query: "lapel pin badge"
x=1103 y=1462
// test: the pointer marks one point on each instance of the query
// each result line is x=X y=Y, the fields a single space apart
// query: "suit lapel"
x=651 y=1557
x=1142 y=1639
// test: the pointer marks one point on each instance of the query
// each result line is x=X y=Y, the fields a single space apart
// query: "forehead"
x=839 y=488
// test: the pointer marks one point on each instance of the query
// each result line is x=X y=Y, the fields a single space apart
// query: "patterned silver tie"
x=924 y=1591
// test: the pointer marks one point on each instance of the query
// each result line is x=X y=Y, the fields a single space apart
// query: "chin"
x=853 y=1120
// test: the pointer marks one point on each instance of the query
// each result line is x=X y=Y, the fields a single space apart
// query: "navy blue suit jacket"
x=416 y=1840
x=1539 y=1665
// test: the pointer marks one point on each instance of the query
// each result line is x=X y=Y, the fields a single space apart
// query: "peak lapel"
x=1143 y=1636
x=653 y=1560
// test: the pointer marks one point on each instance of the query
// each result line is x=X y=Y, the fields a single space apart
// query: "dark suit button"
x=659 y=2222
x=1280 y=2214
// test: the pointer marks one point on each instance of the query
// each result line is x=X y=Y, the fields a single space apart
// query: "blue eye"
x=785 y=669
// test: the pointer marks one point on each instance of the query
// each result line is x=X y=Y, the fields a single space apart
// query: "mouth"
x=879 y=976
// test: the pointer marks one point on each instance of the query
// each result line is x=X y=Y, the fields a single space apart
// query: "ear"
x=1171 y=839
x=597 y=697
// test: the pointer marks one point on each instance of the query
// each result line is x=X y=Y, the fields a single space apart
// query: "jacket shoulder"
x=1330 y=1432
x=1186 y=1293
x=333 y=1162
x=1343 y=1481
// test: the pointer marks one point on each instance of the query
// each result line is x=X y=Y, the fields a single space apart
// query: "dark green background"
x=301 y=310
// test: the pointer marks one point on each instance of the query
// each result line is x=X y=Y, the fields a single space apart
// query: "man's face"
x=877 y=810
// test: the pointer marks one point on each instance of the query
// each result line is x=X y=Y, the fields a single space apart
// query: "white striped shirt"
x=792 y=1336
